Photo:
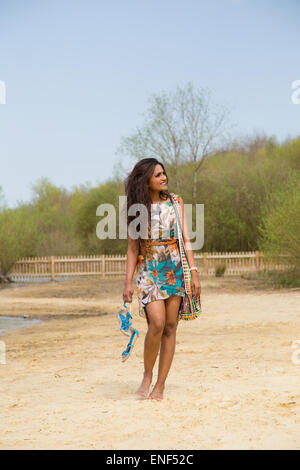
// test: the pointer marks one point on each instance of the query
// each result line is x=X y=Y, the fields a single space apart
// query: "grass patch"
x=278 y=279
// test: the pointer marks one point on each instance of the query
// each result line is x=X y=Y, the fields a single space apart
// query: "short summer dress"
x=160 y=273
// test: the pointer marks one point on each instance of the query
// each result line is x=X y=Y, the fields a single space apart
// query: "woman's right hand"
x=128 y=292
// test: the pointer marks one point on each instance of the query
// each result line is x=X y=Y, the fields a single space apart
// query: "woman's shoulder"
x=177 y=197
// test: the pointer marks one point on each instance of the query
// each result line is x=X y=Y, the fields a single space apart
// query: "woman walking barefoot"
x=160 y=281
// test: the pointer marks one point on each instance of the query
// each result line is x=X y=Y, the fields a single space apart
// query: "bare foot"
x=157 y=392
x=145 y=386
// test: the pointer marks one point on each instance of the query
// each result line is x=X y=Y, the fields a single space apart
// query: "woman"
x=159 y=282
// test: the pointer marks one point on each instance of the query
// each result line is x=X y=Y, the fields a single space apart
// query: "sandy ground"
x=232 y=384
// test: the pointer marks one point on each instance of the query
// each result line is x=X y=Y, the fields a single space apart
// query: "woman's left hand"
x=195 y=283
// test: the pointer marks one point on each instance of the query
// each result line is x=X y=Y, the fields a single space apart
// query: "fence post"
x=257 y=260
x=52 y=268
x=103 y=266
x=205 y=263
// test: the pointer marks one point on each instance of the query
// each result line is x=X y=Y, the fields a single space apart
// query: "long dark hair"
x=137 y=189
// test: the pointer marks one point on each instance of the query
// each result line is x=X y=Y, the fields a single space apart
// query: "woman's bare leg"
x=157 y=317
x=167 y=349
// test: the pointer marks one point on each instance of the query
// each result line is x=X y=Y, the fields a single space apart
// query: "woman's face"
x=158 y=180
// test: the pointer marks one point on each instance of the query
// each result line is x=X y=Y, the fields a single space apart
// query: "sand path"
x=232 y=384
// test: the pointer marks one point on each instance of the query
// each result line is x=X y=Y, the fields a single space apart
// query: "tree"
x=87 y=220
x=280 y=229
x=54 y=217
x=18 y=237
x=183 y=127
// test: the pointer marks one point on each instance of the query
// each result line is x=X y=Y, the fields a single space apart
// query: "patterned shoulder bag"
x=191 y=305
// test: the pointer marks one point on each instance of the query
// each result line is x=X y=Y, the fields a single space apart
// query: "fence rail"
x=115 y=265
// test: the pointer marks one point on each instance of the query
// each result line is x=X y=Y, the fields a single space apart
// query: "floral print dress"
x=160 y=272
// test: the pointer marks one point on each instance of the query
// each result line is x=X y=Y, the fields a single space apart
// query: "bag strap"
x=184 y=262
x=179 y=232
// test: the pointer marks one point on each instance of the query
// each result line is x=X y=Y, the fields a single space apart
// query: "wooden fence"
x=54 y=267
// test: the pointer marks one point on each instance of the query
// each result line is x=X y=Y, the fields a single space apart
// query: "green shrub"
x=220 y=270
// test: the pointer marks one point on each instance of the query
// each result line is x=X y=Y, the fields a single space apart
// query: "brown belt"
x=150 y=243
x=171 y=241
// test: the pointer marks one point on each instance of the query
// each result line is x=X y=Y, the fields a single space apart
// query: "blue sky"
x=78 y=75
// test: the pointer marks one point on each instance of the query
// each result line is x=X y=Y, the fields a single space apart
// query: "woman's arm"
x=131 y=262
x=196 y=287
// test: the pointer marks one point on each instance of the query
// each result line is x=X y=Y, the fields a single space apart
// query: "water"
x=24 y=281
x=9 y=323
